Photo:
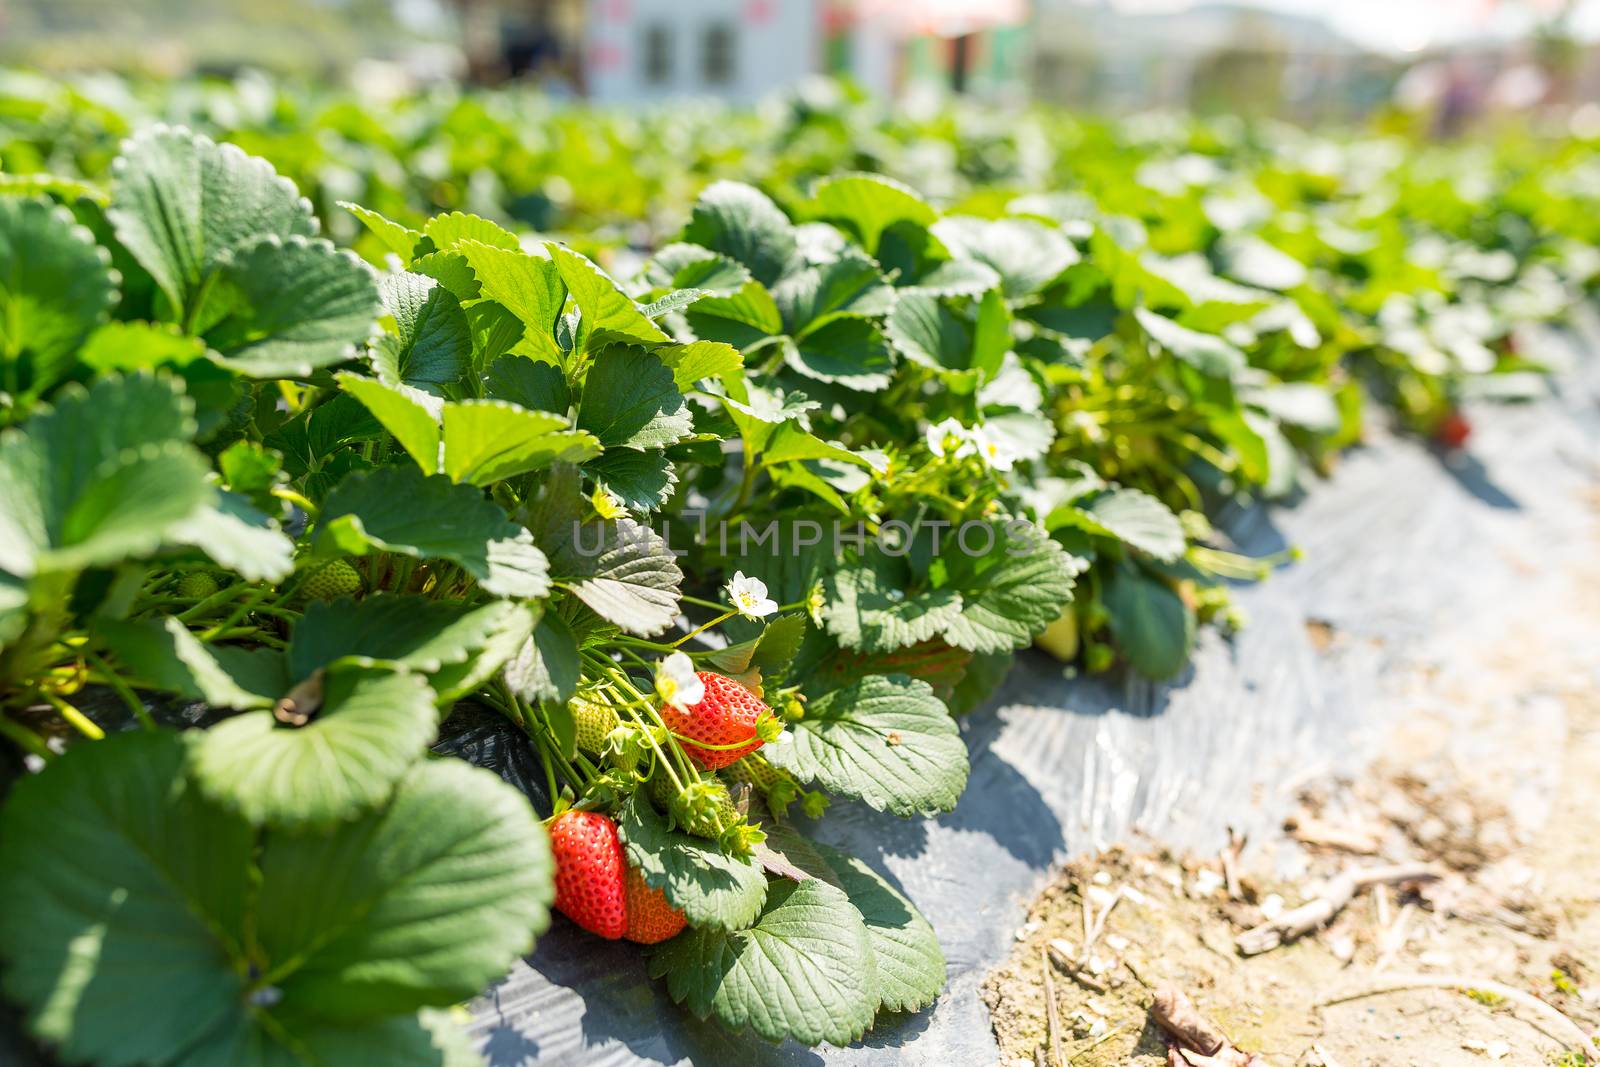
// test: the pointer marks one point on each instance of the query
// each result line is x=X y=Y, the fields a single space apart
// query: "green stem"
x=80 y=722
x=25 y=738
x=718 y=621
x=239 y=612
x=121 y=688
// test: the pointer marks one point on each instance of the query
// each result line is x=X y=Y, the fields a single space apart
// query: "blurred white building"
x=742 y=49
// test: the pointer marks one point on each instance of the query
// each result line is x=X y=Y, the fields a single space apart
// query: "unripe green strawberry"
x=777 y=785
x=335 y=580
x=196 y=585
x=595 y=722
x=703 y=808
x=756 y=771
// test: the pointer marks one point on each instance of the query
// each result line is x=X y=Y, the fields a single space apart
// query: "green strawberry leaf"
x=103 y=476
x=925 y=331
x=434 y=900
x=849 y=352
x=372 y=724
x=869 y=609
x=886 y=740
x=1128 y=515
x=529 y=383
x=418 y=633
x=869 y=204
x=692 y=363
x=609 y=314
x=450 y=231
x=480 y=442
x=432 y=340
x=546 y=667
x=711 y=888
x=409 y=414
x=1013 y=583
x=238 y=537
x=643 y=481
x=527 y=286
x=686 y=266
x=957 y=277
x=674 y=301
x=401 y=240
x=803 y=971
x=1027 y=255
x=741 y=223
x=1152 y=625
x=907 y=960
x=741 y=319
x=622 y=570
x=181 y=205
x=1207 y=353
x=294 y=304
x=851 y=286
x=394 y=509
x=163 y=654
x=56 y=285
x=132 y=346
x=631 y=400
x=108 y=824
x=1255 y=262
x=486 y=441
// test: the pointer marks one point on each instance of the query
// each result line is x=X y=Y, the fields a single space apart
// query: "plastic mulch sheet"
x=1399 y=537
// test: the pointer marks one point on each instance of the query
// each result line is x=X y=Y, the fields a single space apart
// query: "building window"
x=716 y=53
x=657 y=53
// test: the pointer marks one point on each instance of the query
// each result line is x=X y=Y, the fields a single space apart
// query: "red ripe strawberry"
x=726 y=715
x=650 y=917
x=1453 y=430
x=590 y=872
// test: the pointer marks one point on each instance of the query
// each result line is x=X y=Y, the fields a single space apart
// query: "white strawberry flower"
x=749 y=596
x=949 y=440
x=677 y=684
x=997 y=455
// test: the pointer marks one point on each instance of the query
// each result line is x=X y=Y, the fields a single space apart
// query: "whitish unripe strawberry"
x=1060 y=638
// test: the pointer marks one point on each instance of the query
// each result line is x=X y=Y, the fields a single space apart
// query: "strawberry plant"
x=728 y=535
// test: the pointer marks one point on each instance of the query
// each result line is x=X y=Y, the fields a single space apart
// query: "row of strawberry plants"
x=735 y=534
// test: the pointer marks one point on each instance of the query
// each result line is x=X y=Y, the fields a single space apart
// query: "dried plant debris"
x=1412 y=948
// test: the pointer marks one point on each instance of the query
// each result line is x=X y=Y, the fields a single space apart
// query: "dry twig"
x=1320 y=833
x=1230 y=863
x=1297 y=922
x=1052 y=1019
x=1060 y=953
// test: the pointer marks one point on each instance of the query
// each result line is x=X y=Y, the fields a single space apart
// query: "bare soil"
x=1488 y=773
